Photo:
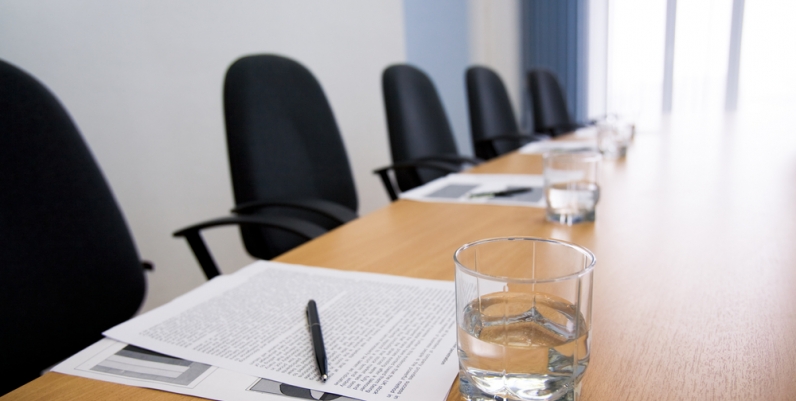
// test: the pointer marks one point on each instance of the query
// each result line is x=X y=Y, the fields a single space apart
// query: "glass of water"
x=523 y=309
x=570 y=186
x=613 y=138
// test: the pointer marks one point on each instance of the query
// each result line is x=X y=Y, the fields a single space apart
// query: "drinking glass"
x=523 y=310
x=570 y=186
x=613 y=138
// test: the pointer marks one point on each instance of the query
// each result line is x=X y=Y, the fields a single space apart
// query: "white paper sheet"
x=387 y=337
x=458 y=188
x=117 y=362
x=586 y=132
x=548 y=146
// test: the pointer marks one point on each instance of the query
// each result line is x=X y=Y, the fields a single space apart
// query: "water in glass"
x=572 y=202
x=522 y=346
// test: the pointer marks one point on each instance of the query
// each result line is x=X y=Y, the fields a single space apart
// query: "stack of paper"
x=387 y=338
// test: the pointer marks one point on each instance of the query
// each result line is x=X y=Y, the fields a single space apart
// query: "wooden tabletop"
x=695 y=284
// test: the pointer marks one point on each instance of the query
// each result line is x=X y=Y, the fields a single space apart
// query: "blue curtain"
x=554 y=36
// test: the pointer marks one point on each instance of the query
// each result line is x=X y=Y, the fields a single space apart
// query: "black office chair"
x=290 y=172
x=550 y=113
x=68 y=267
x=421 y=139
x=493 y=127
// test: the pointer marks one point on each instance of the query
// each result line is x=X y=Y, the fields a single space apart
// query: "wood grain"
x=695 y=283
x=55 y=386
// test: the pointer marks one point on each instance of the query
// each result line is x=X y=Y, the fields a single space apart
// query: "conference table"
x=695 y=285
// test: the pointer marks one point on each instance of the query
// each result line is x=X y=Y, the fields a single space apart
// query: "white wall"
x=495 y=32
x=143 y=80
x=436 y=42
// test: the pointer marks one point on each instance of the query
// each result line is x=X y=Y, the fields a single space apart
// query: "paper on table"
x=586 y=132
x=117 y=362
x=548 y=146
x=457 y=188
x=387 y=337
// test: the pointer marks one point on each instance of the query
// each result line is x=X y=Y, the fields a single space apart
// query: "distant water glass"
x=523 y=310
x=571 y=187
x=613 y=138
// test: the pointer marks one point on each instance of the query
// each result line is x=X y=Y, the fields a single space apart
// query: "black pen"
x=317 y=339
x=506 y=192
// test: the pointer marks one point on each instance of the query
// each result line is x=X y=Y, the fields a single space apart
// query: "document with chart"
x=387 y=337
x=113 y=361
x=542 y=147
x=489 y=189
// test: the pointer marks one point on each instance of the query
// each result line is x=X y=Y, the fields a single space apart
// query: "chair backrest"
x=491 y=114
x=68 y=266
x=283 y=143
x=550 y=114
x=416 y=121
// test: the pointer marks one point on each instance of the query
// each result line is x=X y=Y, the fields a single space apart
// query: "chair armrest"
x=422 y=163
x=392 y=186
x=334 y=211
x=193 y=236
x=456 y=159
x=569 y=128
x=508 y=137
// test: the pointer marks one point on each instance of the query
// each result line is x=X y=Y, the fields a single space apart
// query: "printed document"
x=387 y=337
x=549 y=146
x=117 y=362
x=476 y=189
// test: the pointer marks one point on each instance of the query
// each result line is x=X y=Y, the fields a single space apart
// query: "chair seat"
x=68 y=264
x=493 y=126
x=290 y=172
x=421 y=140
x=550 y=113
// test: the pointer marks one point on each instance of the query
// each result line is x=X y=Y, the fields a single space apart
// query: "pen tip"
x=323 y=378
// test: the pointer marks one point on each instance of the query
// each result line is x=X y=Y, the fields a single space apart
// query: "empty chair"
x=68 y=267
x=421 y=139
x=290 y=172
x=492 y=123
x=550 y=114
